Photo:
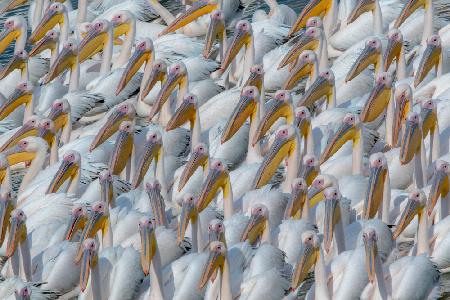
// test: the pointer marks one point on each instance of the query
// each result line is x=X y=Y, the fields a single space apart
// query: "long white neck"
x=26 y=259
x=74 y=77
x=225 y=282
x=357 y=156
x=54 y=54
x=156 y=283
x=28 y=112
x=22 y=40
x=401 y=65
x=323 y=54
x=435 y=144
x=37 y=14
x=147 y=72
x=419 y=172
x=54 y=152
x=107 y=54
x=64 y=28
x=228 y=202
x=82 y=12
x=107 y=237
x=249 y=59
x=423 y=246
x=321 y=278
x=329 y=21
x=377 y=20
x=197 y=235
x=35 y=167
x=163 y=12
x=125 y=53
x=196 y=130
x=386 y=199
x=292 y=167
x=273 y=6
x=428 y=21
x=161 y=175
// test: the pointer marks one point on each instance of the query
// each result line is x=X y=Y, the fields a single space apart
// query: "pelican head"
x=319 y=184
x=309 y=40
x=246 y=108
x=60 y=113
x=332 y=215
x=242 y=37
x=122 y=112
x=25 y=150
x=410 y=7
x=369 y=55
x=394 y=48
x=280 y=107
x=415 y=206
x=403 y=97
x=323 y=86
x=12 y=30
x=374 y=195
x=198 y=9
x=299 y=189
x=286 y=139
x=176 y=77
x=312 y=9
x=77 y=221
x=123 y=148
x=18 y=61
x=95 y=40
x=23 y=94
x=215 y=31
x=412 y=139
x=218 y=178
x=428 y=113
x=17 y=232
x=378 y=99
x=216 y=231
x=303 y=120
x=186 y=112
x=48 y=42
x=430 y=58
x=46 y=130
x=6 y=207
x=309 y=253
x=360 y=8
x=66 y=59
x=371 y=249
x=89 y=260
x=28 y=129
x=153 y=189
x=310 y=168
x=189 y=213
x=157 y=74
x=199 y=158
x=24 y=293
x=440 y=184
x=256 y=77
x=122 y=22
x=216 y=261
x=303 y=68
x=69 y=168
x=257 y=223
x=348 y=130
x=152 y=151
x=148 y=243
x=52 y=16
x=144 y=52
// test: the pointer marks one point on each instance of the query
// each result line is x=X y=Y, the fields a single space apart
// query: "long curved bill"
x=15 y=63
x=76 y=223
x=376 y=103
x=215 y=31
x=187 y=212
x=12 y=5
x=360 y=8
x=198 y=9
x=122 y=152
x=96 y=221
x=91 y=44
x=196 y=160
x=65 y=60
x=156 y=75
x=280 y=148
x=307 y=259
x=371 y=250
x=7 y=36
x=295 y=205
x=374 y=194
x=309 y=173
x=23 y=132
x=184 y=113
x=408 y=10
x=306 y=42
x=343 y=134
x=332 y=217
x=152 y=151
x=439 y=188
x=173 y=80
x=312 y=9
x=411 y=210
x=48 y=21
x=245 y=109
x=254 y=229
x=6 y=208
x=17 y=234
x=301 y=70
x=321 y=87
x=430 y=59
x=138 y=58
x=66 y=170
x=216 y=179
x=46 y=43
x=215 y=261
x=240 y=39
x=148 y=247
x=367 y=57
x=16 y=155
x=89 y=260
x=16 y=99
x=47 y=135
x=401 y=111
x=429 y=120
x=277 y=109
x=410 y=142
x=106 y=191
x=109 y=128
x=158 y=206
x=392 y=52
